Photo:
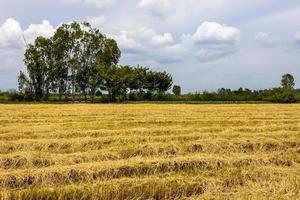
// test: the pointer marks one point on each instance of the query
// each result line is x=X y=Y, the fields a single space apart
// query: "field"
x=150 y=151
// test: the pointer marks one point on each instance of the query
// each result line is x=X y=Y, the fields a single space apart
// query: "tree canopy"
x=176 y=90
x=287 y=81
x=78 y=60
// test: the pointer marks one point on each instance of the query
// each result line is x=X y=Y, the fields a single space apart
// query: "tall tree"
x=287 y=81
x=140 y=79
x=176 y=90
x=33 y=61
x=25 y=87
x=164 y=80
x=61 y=48
x=79 y=60
x=116 y=81
x=44 y=47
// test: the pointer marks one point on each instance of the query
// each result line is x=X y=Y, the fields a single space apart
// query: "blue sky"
x=204 y=44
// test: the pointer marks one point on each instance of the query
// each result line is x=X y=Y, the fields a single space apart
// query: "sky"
x=204 y=44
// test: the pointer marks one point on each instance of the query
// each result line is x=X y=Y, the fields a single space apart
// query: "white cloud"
x=265 y=39
x=212 y=33
x=143 y=37
x=147 y=45
x=162 y=39
x=12 y=43
x=127 y=42
x=98 y=3
x=10 y=34
x=156 y=8
x=212 y=41
x=44 y=29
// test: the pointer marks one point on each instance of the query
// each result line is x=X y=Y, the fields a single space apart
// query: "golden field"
x=150 y=151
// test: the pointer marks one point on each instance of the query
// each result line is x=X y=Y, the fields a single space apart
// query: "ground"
x=149 y=151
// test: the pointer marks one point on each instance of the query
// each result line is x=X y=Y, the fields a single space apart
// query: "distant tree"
x=35 y=67
x=116 y=80
x=25 y=87
x=69 y=62
x=44 y=47
x=287 y=81
x=158 y=82
x=177 y=90
x=222 y=91
x=79 y=60
x=62 y=49
x=279 y=95
x=23 y=82
x=164 y=81
x=140 y=79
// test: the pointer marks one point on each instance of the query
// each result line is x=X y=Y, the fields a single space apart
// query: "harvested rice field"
x=149 y=151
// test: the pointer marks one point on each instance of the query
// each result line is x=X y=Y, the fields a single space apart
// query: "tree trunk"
x=85 y=98
x=93 y=95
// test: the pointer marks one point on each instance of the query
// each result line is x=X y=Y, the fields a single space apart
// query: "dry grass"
x=150 y=151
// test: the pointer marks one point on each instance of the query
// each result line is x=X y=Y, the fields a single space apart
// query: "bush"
x=280 y=95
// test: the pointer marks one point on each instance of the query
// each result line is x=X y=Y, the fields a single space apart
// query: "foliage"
x=176 y=90
x=287 y=81
x=280 y=95
x=80 y=61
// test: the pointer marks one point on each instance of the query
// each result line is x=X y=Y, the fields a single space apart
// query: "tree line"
x=284 y=94
x=80 y=62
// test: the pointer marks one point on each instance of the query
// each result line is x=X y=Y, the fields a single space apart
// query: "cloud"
x=143 y=38
x=127 y=42
x=97 y=3
x=98 y=22
x=172 y=54
x=12 y=43
x=10 y=34
x=44 y=29
x=148 y=45
x=210 y=54
x=162 y=39
x=265 y=39
x=156 y=8
x=212 y=33
x=212 y=41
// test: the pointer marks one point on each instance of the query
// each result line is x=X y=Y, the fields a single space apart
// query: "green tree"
x=140 y=79
x=44 y=47
x=61 y=48
x=279 y=95
x=287 y=81
x=116 y=81
x=164 y=80
x=34 y=63
x=101 y=52
x=79 y=60
x=25 y=87
x=177 y=90
x=70 y=61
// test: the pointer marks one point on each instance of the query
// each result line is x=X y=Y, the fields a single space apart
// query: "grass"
x=149 y=151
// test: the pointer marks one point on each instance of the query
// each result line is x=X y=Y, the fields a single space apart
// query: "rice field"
x=149 y=151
